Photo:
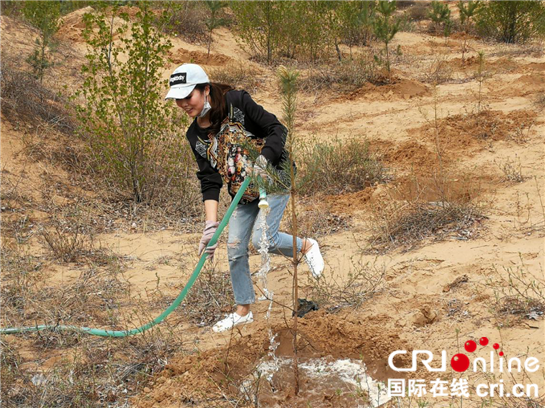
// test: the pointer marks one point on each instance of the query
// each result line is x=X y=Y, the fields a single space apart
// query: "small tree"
x=130 y=130
x=260 y=26
x=355 y=22
x=468 y=11
x=43 y=15
x=288 y=83
x=384 y=27
x=314 y=23
x=214 y=21
x=440 y=15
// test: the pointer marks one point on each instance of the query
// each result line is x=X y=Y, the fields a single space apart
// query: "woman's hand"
x=260 y=168
x=210 y=229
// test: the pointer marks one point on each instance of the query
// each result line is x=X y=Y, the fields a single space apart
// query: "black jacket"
x=257 y=122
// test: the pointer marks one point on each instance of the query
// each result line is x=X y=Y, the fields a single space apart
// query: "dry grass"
x=93 y=372
x=420 y=209
x=90 y=371
x=25 y=99
x=210 y=298
x=518 y=293
x=539 y=101
x=338 y=167
x=363 y=281
x=345 y=76
x=239 y=76
x=512 y=170
x=406 y=225
x=418 y=11
x=186 y=19
x=315 y=219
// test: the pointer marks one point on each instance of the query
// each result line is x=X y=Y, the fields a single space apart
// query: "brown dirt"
x=350 y=202
x=472 y=132
x=195 y=378
x=407 y=154
x=400 y=89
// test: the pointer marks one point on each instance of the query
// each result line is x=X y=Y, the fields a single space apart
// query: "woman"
x=220 y=112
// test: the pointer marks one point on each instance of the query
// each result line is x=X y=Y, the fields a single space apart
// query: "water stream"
x=262 y=275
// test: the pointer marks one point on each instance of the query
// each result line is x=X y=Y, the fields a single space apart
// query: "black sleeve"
x=274 y=131
x=209 y=177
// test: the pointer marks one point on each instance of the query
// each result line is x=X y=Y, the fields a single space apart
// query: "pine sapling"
x=385 y=29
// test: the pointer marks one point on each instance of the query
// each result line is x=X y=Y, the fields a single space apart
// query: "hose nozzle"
x=263 y=203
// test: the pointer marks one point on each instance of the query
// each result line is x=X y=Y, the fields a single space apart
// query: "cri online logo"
x=460 y=362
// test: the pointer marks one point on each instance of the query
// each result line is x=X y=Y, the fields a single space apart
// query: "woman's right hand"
x=210 y=229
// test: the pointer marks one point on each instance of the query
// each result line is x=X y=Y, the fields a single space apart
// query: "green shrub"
x=338 y=167
x=45 y=17
x=440 y=16
x=271 y=30
x=261 y=26
x=355 y=22
x=511 y=21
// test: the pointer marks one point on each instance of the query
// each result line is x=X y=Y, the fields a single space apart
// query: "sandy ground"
x=434 y=296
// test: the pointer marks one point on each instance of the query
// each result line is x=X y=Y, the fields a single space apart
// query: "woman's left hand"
x=209 y=231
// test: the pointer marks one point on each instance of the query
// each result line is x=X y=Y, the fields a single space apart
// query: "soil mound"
x=400 y=89
x=409 y=154
x=473 y=131
x=195 y=378
x=532 y=81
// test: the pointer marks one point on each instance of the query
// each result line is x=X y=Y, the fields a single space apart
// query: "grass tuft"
x=339 y=167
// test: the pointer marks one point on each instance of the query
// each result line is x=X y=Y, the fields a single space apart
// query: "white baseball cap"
x=183 y=80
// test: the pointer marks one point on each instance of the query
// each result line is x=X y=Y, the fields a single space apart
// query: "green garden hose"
x=162 y=316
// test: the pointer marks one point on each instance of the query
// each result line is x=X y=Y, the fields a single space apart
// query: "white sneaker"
x=314 y=259
x=231 y=321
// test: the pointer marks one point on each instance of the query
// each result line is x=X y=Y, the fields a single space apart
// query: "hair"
x=218 y=112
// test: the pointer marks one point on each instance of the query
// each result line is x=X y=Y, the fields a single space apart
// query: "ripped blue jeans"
x=242 y=226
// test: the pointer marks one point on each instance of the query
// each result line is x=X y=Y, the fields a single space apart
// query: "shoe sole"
x=232 y=327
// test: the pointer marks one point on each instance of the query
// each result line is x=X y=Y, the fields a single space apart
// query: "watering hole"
x=323 y=381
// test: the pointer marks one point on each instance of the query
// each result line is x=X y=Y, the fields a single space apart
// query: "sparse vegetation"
x=363 y=281
x=337 y=167
x=518 y=292
x=214 y=20
x=45 y=17
x=512 y=170
x=210 y=298
x=468 y=12
x=238 y=76
x=26 y=99
x=184 y=18
x=440 y=16
x=316 y=219
x=433 y=209
x=344 y=76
